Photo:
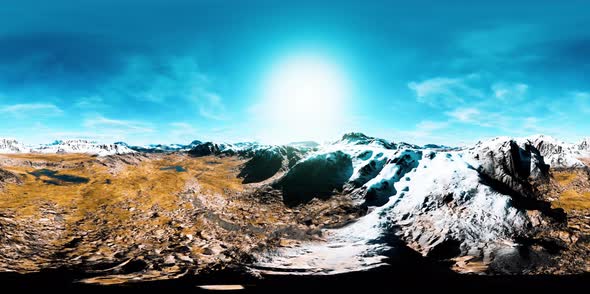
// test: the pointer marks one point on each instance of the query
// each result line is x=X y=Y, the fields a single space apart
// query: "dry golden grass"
x=50 y=157
x=565 y=178
x=573 y=200
x=573 y=196
x=144 y=185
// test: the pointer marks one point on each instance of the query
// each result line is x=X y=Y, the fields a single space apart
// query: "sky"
x=174 y=71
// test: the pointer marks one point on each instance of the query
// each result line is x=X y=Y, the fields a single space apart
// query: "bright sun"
x=305 y=97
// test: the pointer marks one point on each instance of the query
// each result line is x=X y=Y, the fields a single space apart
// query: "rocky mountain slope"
x=504 y=205
x=473 y=205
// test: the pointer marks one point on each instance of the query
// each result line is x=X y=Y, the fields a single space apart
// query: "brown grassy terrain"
x=134 y=221
x=123 y=212
x=569 y=189
x=572 y=200
x=572 y=190
x=144 y=184
x=50 y=157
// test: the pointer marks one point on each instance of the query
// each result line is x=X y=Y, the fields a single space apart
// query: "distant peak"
x=73 y=141
x=355 y=136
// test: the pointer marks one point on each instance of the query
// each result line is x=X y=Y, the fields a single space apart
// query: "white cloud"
x=425 y=130
x=182 y=132
x=31 y=109
x=464 y=114
x=173 y=79
x=101 y=122
x=510 y=91
x=90 y=102
x=466 y=91
x=446 y=92
x=158 y=81
x=212 y=107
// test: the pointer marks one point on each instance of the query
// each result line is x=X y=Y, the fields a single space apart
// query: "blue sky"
x=173 y=71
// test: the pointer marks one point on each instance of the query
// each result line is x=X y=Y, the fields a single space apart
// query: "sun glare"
x=305 y=97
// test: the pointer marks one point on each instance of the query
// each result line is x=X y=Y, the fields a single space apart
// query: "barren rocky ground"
x=146 y=217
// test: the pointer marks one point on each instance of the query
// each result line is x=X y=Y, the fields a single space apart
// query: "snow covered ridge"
x=64 y=146
x=442 y=202
x=12 y=146
x=248 y=149
x=162 y=148
x=82 y=146
x=556 y=153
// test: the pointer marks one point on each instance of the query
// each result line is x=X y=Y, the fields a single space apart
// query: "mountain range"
x=557 y=153
x=503 y=205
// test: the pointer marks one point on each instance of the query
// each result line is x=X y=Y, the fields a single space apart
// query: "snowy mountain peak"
x=555 y=153
x=362 y=139
x=82 y=146
x=12 y=146
x=194 y=143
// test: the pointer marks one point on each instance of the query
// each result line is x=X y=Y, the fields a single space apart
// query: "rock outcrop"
x=317 y=176
x=7 y=177
x=267 y=162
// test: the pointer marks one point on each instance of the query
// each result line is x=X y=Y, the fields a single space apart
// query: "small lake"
x=57 y=178
x=177 y=168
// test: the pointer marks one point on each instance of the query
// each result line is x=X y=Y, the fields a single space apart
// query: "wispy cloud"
x=510 y=90
x=101 y=122
x=425 y=129
x=90 y=102
x=473 y=88
x=182 y=132
x=22 y=110
x=444 y=91
x=212 y=107
x=475 y=99
x=171 y=80
x=464 y=114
